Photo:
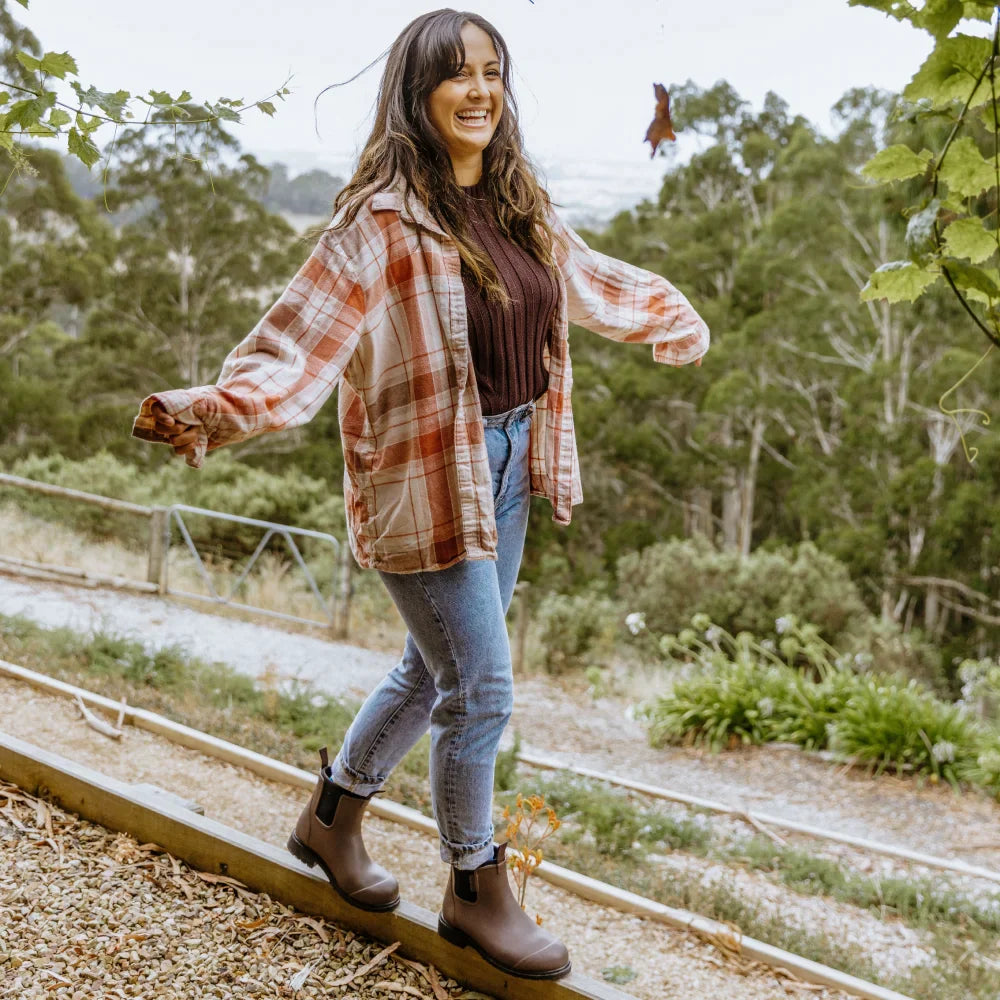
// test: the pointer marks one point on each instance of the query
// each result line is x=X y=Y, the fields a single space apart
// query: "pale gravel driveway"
x=251 y=648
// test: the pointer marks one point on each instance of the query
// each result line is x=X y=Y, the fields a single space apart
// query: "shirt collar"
x=398 y=198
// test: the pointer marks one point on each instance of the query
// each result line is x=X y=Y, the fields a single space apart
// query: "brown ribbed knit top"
x=507 y=343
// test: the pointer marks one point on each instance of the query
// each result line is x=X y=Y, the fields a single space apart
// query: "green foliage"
x=224 y=484
x=571 y=632
x=951 y=73
x=919 y=901
x=969 y=238
x=670 y=581
x=897 y=163
x=905 y=727
x=42 y=115
x=610 y=820
x=898 y=281
x=290 y=722
x=965 y=171
x=958 y=77
x=749 y=694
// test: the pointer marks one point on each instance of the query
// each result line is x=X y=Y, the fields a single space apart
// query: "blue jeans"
x=455 y=673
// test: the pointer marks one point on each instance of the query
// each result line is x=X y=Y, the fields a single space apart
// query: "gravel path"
x=668 y=964
x=558 y=718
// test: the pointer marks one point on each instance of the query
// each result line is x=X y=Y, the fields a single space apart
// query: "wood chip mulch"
x=85 y=912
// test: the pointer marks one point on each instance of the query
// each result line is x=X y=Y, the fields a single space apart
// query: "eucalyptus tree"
x=710 y=215
x=193 y=269
x=55 y=252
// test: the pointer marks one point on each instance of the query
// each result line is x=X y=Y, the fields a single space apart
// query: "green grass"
x=288 y=725
x=924 y=903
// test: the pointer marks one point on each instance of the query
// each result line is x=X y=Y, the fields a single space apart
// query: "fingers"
x=187 y=440
x=697 y=364
x=184 y=438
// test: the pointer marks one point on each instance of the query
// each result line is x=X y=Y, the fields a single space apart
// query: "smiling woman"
x=466 y=107
x=439 y=301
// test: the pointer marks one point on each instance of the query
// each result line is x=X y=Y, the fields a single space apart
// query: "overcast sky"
x=583 y=69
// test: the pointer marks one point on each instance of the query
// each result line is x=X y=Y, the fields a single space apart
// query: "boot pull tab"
x=324 y=758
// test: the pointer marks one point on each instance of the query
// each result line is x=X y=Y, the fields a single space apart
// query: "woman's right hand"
x=188 y=440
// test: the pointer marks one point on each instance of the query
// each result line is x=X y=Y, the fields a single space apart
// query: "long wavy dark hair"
x=405 y=141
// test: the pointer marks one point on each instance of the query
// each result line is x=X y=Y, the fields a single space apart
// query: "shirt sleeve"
x=285 y=368
x=627 y=303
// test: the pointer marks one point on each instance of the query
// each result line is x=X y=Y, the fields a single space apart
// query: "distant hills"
x=586 y=192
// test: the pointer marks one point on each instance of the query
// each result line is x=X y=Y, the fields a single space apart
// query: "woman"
x=439 y=301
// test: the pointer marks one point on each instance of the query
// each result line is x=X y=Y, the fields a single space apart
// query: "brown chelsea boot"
x=328 y=834
x=481 y=911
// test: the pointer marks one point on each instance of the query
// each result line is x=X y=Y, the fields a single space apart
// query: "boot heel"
x=452 y=934
x=303 y=853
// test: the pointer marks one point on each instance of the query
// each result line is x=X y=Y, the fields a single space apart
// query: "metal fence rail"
x=335 y=610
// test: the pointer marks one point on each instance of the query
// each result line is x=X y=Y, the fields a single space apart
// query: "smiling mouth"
x=477 y=120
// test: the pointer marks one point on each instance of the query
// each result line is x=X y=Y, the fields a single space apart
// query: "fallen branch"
x=105 y=728
x=757 y=825
x=365 y=969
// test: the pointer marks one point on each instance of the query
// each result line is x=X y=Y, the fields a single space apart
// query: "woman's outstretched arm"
x=627 y=303
x=279 y=375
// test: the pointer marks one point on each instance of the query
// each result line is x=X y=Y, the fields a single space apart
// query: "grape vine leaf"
x=949 y=72
x=897 y=163
x=83 y=147
x=898 y=281
x=968 y=238
x=965 y=171
x=58 y=64
x=979 y=284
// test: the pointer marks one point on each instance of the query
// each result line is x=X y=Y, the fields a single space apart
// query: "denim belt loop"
x=506 y=419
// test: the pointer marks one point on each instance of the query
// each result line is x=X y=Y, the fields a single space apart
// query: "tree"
x=193 y=271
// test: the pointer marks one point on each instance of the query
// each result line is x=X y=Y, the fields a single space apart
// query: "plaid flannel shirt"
x=379 y=309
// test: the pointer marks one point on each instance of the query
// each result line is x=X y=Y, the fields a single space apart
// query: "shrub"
x=671 y=581
x=574 y=632
x=747 y=694
x=906 y=726
x=223 y=484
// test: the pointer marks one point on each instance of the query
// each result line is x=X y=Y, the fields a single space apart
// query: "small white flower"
x=768 y=644
x=635 y=622
x=943 y=752
x=781 y=624
x=766 y=706
x=712 y=633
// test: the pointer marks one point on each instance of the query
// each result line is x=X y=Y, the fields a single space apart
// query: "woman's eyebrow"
x=489 y=62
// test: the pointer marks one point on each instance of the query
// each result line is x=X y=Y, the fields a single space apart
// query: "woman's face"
x=466 y=108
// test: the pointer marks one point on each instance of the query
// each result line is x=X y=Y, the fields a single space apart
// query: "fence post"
x=346 y=589
x=156 y=571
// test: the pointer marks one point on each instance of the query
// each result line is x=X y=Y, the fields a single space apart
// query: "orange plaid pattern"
x=379 y=309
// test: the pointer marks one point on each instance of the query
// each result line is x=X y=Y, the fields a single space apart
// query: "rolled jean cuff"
x=465 y=856
x=355 y=781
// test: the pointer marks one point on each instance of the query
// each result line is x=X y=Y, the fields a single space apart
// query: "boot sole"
x=310 y=859
x=462 y=940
